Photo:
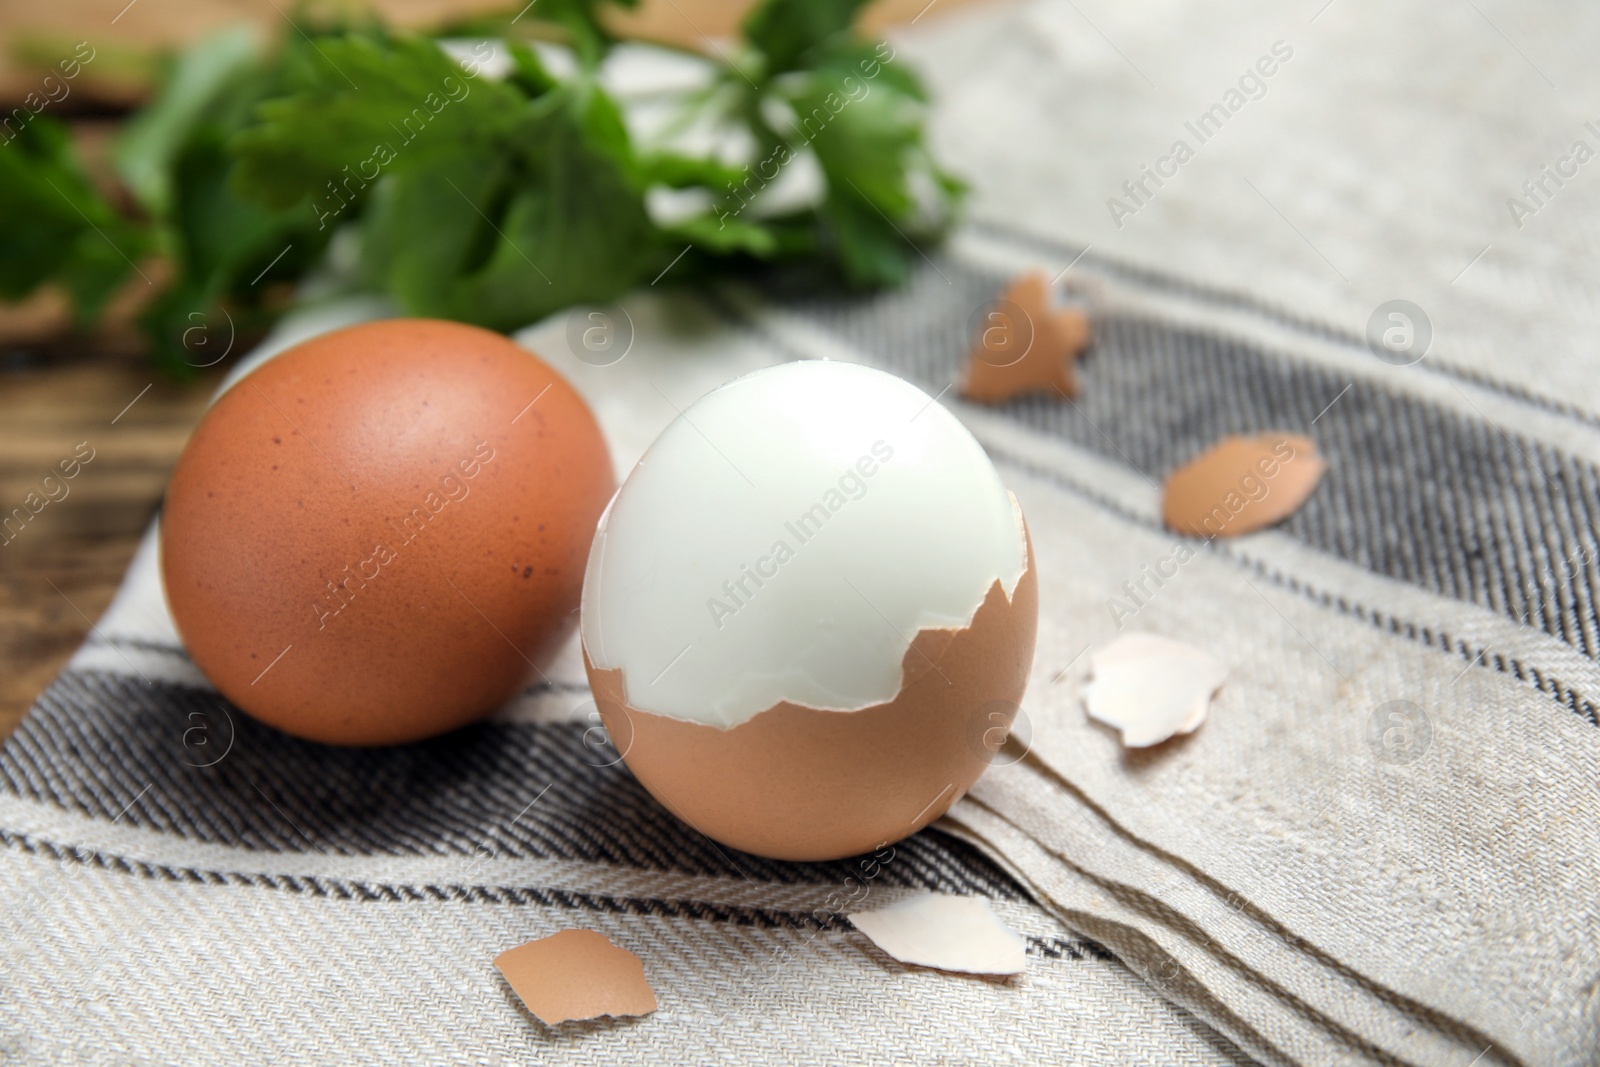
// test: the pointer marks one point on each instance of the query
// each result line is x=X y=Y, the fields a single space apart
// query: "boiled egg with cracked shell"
x=803 y=608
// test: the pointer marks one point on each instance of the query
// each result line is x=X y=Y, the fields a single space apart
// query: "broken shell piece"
x=1241 y=484
x=947 y=932
x=1025 y=344
x=577 y=974
x=1151 y=687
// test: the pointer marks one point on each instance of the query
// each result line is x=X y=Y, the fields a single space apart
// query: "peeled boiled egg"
x=809 y=612
x=380 y=534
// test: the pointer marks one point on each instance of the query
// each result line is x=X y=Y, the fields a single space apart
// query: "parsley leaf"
x=552 y=221
x=204 y=82
x=229 y=251
x=787 y=30
x=59 y=228
x=357 y=105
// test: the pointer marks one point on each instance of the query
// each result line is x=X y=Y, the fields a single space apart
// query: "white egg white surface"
x=786 y=537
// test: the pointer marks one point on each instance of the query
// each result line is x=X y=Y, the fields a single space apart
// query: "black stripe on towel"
x=112 y=746
x=818 y=920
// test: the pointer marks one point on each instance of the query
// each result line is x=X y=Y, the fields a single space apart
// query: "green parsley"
x=494 y=200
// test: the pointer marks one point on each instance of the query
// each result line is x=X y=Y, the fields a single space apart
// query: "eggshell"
x=377 y=535
x=1025 y=345
x=952 y=933
x=577 y=974
x=801 y=783
x=1241 y=484
x=1151 y=687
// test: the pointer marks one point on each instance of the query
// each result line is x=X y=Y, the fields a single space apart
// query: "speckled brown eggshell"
x=801 y=783
x=373 y=537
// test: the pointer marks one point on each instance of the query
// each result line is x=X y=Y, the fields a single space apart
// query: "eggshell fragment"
x=951 y=933
x=1241 y=484
x=1025 y=344
x=1151 y=687
x=801 y=783
x=577 y=974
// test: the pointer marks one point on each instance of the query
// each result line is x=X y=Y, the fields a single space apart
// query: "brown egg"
x=377 y=536
x=801 y=783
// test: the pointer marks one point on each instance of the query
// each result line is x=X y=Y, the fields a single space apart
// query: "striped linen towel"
x=1379 y=848
x=185 y=885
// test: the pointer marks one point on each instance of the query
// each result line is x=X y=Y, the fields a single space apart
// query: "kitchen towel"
x=1379 y=848
x=181 y=884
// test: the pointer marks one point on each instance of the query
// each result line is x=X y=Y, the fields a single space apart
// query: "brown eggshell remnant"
x=800 y=783
x=1026 y=344
x=372 y=538
x=577 y=974
x=1241 y=484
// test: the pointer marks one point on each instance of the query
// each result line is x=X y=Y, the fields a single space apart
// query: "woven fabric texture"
x=1380 y=847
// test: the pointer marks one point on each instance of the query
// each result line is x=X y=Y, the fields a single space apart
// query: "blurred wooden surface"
x=56 y=391
x=58 y=572
x=34 y=34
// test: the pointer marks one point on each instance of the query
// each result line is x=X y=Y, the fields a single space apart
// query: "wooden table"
x=123 y=33
x=59 y=571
